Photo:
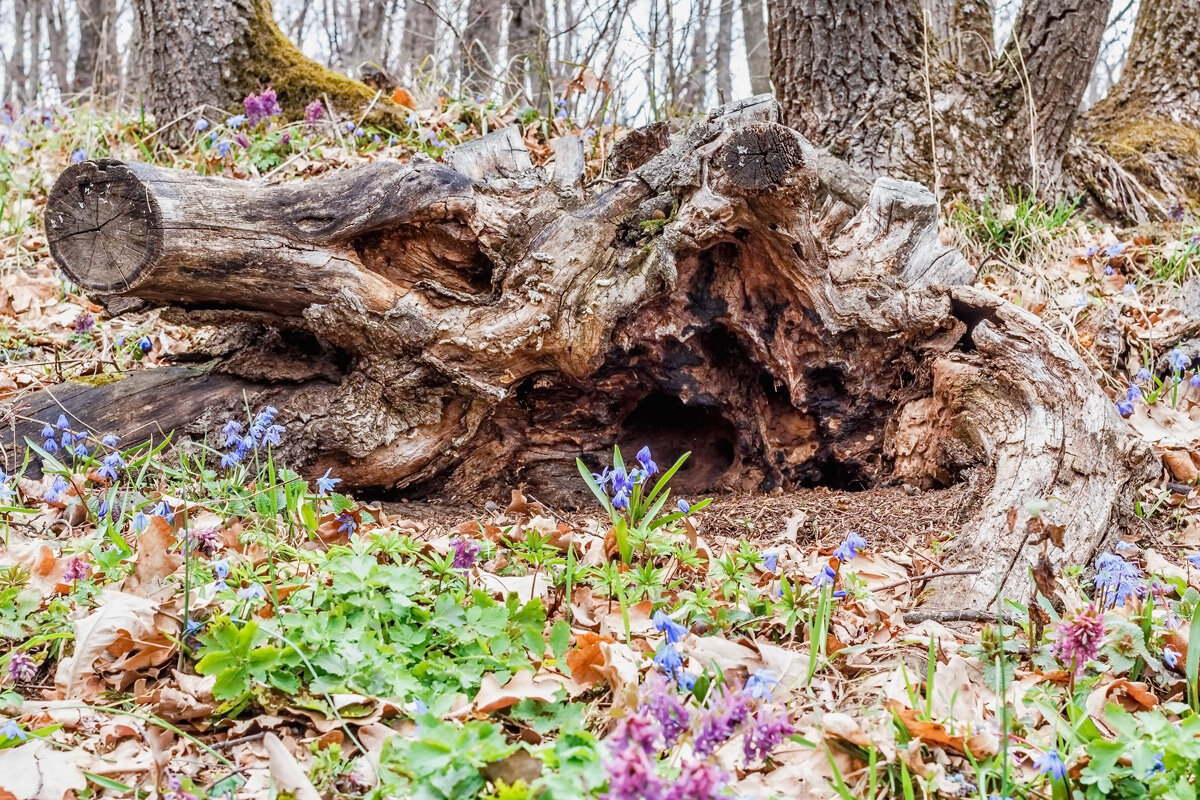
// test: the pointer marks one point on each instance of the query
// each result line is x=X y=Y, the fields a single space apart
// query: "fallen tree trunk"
x=452 y=329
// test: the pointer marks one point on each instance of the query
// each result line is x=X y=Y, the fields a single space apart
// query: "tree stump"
x=450 y=330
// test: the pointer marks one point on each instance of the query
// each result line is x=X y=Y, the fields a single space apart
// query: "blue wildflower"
x=346 y=523
x=140 y=521
x=163 y=509
x=1134 y=393
x=1109 y=270
x=771 y=562
x=252 y=592
x=325 y=483
x=1194 y=559
x=192 y=628
x=231 y=459
x=1157 y=766
x=1117 y=579
x=220 y=569
x=1125 y=407
x=1051 y=764
x=12 y=731
x=78 y=156
x=1194 y=381
x=223 y=148
x=144 y=344
x=621 y=500
x=201 y=124
x=6 y=492
x=1128 y=288
x=848 y=550
x=825 y=577
x=759 y=684
x=55 y=492
x=1143 y=374
x=668 y=659
x=271 y=435
x=110 y=440
x=232 y=433
x=1171 y=656
x=683 y=505
x=236 y=121
x=1115 y=250
x=686 y=680
x=644 y=458
x=109 y=466
x=670 y=627
x=1178 y=360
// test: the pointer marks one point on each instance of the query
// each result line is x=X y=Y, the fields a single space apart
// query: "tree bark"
x=696 y=86
x=215 y=53
x=1149 y=124
x=481 y=46
x=965 y=31
x=420 y=36
x=95 y=62
x=724 y=51
x=529 y=55
x=860 y=79
x=758 y=53
x=465 y=327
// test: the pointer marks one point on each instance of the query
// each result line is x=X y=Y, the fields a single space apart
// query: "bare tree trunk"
x=859 y=79
x=16 y=74
x=724 y=51
x=366 y=21
x=481 y=45
x=758 y=53
x=217 y=52
x=528 y=53
x=465 y=327
x=95 y=63
x=696 y=87
x=965 y=31
x=59 y=43
x=420 y=35
x=1149 y=124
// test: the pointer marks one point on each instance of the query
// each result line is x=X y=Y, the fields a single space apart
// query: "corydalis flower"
x=1117 y=579
x=209 y=540
x=719 y=722
x=764 y=732
x=465 y=551
x=631 y=763
x=22 y=668
x=77 y=570
x=660 y=701
x=1079 y=639
x=261 y=106
x=313 y=111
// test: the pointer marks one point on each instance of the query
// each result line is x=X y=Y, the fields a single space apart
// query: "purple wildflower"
x=208 y=540
x=1176 y=212
x=765 y=731
x=77 y=570
x=719 y=722
x=22 y=668
x=465 y=551
x=77 y=156
x=647 y=462
x=661 y=702
x=346 y=523
x=84 y=322
x=631 y=762
x=1079 y=639
x=1125 y=407
x=313 y=111
x=243 y=140
x=699 y=780
x=261 y=106
x=771 y=562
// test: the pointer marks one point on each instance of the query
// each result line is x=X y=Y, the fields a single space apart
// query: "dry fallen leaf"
x=522 y=686
x=289 y=776
x=38 y=771
x=119 y=617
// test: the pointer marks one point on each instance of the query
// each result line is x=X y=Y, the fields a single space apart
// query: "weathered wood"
x=480 y=332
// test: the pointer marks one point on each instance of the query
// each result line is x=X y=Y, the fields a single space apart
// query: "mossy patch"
x=1160 y=152
x=272 y=60
x=102 y=379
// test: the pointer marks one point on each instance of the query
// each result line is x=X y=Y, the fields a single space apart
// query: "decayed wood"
x=440 y=333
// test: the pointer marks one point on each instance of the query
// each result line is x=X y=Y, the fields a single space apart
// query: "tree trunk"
x=696 y=86
x=1149 y=124
x=724 y=51
x=528 y=53
x=467 y=327
x=964 y=31
x=217 y=52
x=363 y=44
x=758 y=53
x=481 y=46
x=420 y=36
x=860 y=80
x=95 y=63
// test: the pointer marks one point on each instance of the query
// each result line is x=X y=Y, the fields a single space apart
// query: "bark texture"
x=481 y=45
x=97 y=67
x=1139 y=151
x=867 y=80
x=420 y=36
x=470 y=326
x=215 y=53
x=758 y=52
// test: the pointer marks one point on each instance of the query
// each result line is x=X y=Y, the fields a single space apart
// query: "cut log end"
x=103 y=225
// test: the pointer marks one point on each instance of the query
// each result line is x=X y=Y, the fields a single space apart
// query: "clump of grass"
x=1017 y=229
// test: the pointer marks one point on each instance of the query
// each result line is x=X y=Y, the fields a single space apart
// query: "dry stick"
x=915 y=578
x=968 y=615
